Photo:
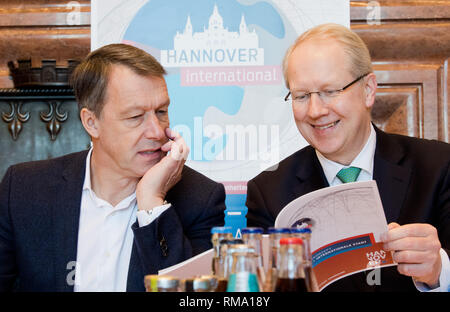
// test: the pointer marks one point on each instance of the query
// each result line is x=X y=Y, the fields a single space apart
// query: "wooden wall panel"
x=409 y=42
x=410 y=49
x=42 y=29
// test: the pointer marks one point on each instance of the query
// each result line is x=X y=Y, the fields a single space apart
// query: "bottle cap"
x=301 y=230
x=252 y=230
x=202 y=284
x=273 y=230
x=233 y=241
x=167 y=282
x=291 y=241
x=221 y=230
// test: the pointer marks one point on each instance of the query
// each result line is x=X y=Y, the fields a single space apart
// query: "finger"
x=413 y=269
x=393 y=225
x=182 y=148
x=176 y=151
x=167 y=146
x=410 y=230
x=384 y=236
x=179 y=171
x=407 y=243
x=411 y=257
x=171 y=134
x=185 y=149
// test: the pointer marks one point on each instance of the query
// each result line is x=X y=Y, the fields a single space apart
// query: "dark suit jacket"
x=413 y=178
x=39 y=219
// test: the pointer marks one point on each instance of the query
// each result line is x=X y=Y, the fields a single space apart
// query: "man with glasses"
x=332 y=87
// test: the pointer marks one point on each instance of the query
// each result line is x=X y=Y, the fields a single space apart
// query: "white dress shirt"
x=364 y=160
x=105 y=238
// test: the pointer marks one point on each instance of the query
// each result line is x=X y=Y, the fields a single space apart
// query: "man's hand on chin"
x=158 y=180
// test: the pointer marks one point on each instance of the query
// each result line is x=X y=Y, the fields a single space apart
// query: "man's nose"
x=153 y=128
x=316 y=107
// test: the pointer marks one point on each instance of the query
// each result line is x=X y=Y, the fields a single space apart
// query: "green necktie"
x=349 y=174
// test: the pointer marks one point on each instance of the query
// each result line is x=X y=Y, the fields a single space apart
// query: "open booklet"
x=347 y=221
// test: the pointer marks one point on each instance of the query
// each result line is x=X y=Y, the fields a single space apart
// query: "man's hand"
x=158 y=180
x=416 y=250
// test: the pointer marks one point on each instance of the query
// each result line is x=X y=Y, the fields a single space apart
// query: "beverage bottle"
x=243 y=276
x=275 y=234
x=151 y=283
x=305 y=235
x=219 y=233
x=310 y=278
x=157 y=283
x=224 y=262
x=198 y=284
x=291 y=276
x=252 y=236
x=227 y=250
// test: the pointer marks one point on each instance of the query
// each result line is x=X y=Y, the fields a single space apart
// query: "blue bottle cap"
x=221 y=230
x=301 y=230
x=273 y=230
x=252 y=230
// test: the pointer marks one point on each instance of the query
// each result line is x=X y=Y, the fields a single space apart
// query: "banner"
x=225 y=81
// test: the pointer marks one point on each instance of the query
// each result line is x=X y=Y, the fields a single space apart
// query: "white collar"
x=87 y=186
x=364 y=160
x=87 y=172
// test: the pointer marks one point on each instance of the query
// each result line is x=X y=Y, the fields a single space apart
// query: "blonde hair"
x=354 y=47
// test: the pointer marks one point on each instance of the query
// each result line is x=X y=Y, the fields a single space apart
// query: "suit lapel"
x=135 y=279
x=310 y=174
x=66 y=215
x=392 y=178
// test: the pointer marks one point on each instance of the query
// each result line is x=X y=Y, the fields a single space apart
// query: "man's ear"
x=370 y=89
x=90 y=122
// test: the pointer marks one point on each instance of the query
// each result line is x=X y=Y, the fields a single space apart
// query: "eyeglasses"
x=326 y=95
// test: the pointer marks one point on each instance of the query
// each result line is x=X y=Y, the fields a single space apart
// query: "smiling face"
x=130 y=129
x=339 y=129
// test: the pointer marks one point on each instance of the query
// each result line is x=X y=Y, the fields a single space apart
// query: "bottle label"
x=243 y=282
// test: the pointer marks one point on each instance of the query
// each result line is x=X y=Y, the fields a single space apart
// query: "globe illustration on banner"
x=215 y=52
x=225 y=82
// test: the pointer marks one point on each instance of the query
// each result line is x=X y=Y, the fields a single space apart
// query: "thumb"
x=393 y=225
x=384 y=236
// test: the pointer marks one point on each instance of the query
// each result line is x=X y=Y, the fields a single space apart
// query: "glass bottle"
x=228 y=250
x=243 y=276
x=157 y=283
x=252 y=236
x=151 y=283
x=305 y=235
x=310 y=278
x=198 y=284
x=291 y=276
x=275 y=234
x=219 y=233
x=224 y=268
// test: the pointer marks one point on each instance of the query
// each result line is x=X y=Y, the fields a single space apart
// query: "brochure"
x=346 y=222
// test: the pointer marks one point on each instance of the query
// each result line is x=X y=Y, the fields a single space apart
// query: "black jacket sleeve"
x=8 y=269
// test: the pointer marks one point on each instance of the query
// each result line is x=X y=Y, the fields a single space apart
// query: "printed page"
x=198 y=265
x=346 y=221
